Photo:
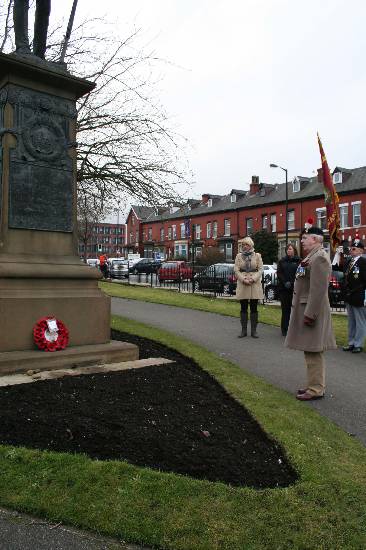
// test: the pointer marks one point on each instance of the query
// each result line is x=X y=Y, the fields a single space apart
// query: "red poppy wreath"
x=50 y=334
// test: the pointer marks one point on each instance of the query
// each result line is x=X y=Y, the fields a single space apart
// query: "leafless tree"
x=127 y=149
x=6 y=25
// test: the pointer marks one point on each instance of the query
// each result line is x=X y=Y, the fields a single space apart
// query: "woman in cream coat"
x=248 y=271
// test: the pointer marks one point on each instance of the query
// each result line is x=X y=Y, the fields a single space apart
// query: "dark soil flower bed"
x=174 y=418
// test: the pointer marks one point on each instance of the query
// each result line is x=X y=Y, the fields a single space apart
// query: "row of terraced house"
x=221 y=220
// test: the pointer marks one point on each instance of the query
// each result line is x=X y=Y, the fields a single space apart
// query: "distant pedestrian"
x=103 y=265
x=286 y=271
x=354 y=286
x=248 y=271
x=310 y=328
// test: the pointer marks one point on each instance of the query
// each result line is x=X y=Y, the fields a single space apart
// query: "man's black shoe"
x=356 y=350
x=348 y=348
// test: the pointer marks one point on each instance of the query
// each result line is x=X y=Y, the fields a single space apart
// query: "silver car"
x=118 y=269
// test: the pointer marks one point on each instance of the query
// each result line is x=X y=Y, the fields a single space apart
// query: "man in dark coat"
x=354 y=290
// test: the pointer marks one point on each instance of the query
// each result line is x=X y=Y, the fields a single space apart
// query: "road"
x=345 y=402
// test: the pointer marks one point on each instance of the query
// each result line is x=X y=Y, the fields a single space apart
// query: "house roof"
x=273 y=194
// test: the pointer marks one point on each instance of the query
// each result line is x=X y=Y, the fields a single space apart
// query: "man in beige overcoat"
x=310 y=328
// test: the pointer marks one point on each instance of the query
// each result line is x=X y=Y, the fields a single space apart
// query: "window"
x=227 y=232
x=162 y=236
x=198 y=231
x=137 y=237
x=321 y=218
x=149 y=234
x=174 y=231
x=264 y=221
x=227 y=250
x=209 y=203
x=356 y=213
x=183 y=230
x=208 y=230
x=132 y=220
x=343 y=215
x=296 y=185
x=180 y=250
x=291 y=219
x=131 y=237
x=170 y=233
x=198 y=251
x=233 y=197
x=273 y=223
x=337 y=177
x=214 y=230
x=249 y=225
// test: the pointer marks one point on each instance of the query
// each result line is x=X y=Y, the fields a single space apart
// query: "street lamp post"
x=286 y=200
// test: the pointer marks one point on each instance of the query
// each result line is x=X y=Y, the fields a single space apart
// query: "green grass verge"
x=326 y=509
x=268 y=314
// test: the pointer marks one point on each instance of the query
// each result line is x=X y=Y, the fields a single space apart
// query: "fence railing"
x=217 y=282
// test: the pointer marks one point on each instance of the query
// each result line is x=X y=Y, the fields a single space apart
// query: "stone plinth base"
x=78 y=303
x=77 y=356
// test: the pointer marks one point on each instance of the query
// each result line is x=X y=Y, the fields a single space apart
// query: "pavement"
x=24 y=532
x=266 y=357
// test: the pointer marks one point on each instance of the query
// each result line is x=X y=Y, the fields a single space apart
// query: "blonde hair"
x=246 y=240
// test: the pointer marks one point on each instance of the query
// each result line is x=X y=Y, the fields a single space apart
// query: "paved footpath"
x=266 y=357
x=23 y=532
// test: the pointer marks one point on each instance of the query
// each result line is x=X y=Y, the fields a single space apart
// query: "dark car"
x=218 y=278
x=146 y=265
x=335 y=289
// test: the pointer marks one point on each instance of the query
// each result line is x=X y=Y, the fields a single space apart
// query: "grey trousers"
x=356 y=325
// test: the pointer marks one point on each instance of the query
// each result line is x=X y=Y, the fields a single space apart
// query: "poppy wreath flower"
x=50 y=340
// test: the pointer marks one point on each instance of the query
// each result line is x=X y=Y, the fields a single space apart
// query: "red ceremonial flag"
x=331 y=202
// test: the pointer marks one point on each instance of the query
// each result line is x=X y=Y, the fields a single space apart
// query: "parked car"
x=93 y=262
x=335 y=289
x=146 y=265
x=269 y=273
x=118 y=269
x=174 y=271
x=217 y=277
x=270 y=287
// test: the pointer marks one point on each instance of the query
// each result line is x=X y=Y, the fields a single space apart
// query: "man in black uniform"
x=354 y=289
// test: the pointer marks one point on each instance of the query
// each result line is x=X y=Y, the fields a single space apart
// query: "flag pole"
x=68 y=31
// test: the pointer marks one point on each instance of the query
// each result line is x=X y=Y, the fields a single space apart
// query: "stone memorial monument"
x=40 y=270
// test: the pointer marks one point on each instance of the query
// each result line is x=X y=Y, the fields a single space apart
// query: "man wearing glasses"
x=355 y=296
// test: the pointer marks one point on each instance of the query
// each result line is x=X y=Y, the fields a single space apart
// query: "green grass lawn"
x=269 y=314
x=326 y=509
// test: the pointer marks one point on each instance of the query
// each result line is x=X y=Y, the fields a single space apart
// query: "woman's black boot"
x=244 y=322
x=253 y=324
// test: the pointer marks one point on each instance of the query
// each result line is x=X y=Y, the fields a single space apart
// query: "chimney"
x=205 y=198
x=254 y=186
x=320 y=175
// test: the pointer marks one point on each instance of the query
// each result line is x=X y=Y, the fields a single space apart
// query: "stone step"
x=73 y=356
x=34 y=376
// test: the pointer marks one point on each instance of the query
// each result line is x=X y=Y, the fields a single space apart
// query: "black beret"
x=358 y=243
x=313 y=231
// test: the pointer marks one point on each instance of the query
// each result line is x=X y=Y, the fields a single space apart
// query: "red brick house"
x=103 y=238
x=221 y=220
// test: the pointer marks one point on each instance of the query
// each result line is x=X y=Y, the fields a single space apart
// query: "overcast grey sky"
x=252 y=81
